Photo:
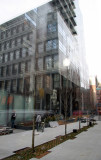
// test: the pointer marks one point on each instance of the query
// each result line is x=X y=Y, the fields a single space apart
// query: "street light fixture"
x=66 y=63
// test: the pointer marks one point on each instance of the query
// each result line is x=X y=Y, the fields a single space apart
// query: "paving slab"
x=18 y=140
x=87 y=146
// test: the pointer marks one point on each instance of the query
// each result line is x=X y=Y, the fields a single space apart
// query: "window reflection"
x=48 y=62
x=51 y=44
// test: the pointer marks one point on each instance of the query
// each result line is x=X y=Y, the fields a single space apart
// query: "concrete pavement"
x=16 y=141
x=87 y=146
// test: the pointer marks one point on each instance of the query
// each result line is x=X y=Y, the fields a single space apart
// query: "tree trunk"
x=33 y=133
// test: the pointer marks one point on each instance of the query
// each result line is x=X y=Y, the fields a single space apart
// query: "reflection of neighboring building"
x=92 y=93
x=16 y=63
x=85 y=99
x=98 y=96
x=15 y=57
x=33 y=47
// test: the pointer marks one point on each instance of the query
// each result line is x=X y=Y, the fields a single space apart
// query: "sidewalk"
x=16 y=141
x=87 y=146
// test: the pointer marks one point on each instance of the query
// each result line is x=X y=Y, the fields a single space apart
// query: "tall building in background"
x=33 y=48
x=93 y=93
x=98 y=95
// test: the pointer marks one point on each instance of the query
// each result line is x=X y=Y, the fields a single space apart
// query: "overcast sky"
x=92 y=25
x=91 y=10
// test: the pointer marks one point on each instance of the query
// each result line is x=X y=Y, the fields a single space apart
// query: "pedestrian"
x=38 y=122
x=13 y=117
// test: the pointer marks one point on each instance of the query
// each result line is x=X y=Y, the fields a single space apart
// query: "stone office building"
x=33 y=48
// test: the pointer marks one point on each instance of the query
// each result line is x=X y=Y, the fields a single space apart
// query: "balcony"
x=66 y=10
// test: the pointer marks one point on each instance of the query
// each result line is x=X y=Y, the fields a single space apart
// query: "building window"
x=7 y=86
x=10 y=43
x=48 y=62
x=24 y=52
x=3 y=71
x=3 y=34
x=40 y=48
x=28 y=66
x=1 y=58
x=64 y=82
x=20 y=85
x=14 y=85
x=13 y=43
x=30 y=37
x=0 y=72
x=20 y=28
x=8 y=71
x=51 y=44
x=24 y=38
x=15 y=69
x=17 y=54
x=38 y=82
x=52 y=16
x=2 y=46
x=55 y=61
x=52 y=27
x=30 y=51
x=22 y=67
x=40 y=64
x=14 y=30
x=7 y=45
x=2 y=84
x=26 y=42
x=8 y=33
x=11 y=56
x=56 y=81
x=18 y=41
x=54 y=44
x=6 y=57
x=47 y=81
x=26 y=25
x=27 y=85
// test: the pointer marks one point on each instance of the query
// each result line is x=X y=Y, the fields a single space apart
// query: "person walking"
x=38 y=122
x=13 y=117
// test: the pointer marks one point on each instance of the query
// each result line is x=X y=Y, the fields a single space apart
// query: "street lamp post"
x=66 y=63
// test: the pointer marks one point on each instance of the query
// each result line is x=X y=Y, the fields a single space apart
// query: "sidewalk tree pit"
x=43 y=149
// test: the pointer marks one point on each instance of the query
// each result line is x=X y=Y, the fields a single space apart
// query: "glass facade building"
x=33 y=47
